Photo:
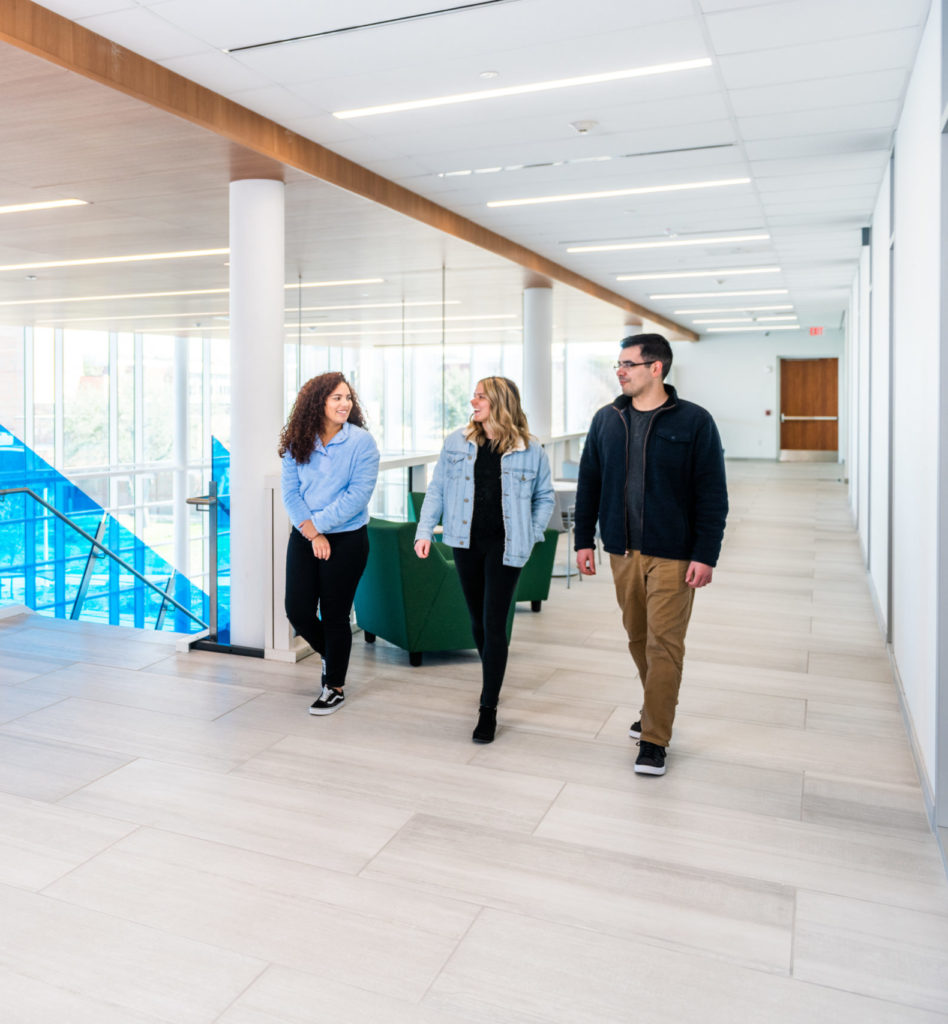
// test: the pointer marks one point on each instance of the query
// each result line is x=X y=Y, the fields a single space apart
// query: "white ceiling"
x=802 y=97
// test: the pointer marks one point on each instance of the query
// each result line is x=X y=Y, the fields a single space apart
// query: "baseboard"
x=928 y=791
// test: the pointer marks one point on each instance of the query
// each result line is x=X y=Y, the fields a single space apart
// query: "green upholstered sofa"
x=534 y=584
x=415 y=603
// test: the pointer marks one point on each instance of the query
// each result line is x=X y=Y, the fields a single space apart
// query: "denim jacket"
x=526 y=495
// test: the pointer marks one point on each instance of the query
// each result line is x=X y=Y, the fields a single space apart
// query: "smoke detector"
x=583 y=127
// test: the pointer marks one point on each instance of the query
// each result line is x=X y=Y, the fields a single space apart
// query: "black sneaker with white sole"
x=635 y=730
x=327 y=702
x=651 y=759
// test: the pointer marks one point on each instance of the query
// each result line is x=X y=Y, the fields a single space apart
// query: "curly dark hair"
x=308 y=415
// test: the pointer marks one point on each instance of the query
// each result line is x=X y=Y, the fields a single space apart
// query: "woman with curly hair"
x=492 y=488
x=330 y=466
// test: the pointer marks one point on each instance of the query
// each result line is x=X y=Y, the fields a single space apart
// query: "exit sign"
x=816 y=330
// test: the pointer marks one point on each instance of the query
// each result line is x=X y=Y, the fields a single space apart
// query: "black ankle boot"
x=486 y=724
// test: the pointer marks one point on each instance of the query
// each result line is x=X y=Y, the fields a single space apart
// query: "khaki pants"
x=656 y=606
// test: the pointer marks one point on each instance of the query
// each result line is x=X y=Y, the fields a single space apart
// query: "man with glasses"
x=652 y=474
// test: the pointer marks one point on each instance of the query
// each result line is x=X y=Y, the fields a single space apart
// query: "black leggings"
x=330 y=584
x=488 y=587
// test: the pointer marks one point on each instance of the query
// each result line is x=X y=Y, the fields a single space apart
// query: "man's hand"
x=422 y=547
x=321 y=548
x=698 y=575
x=586 y=561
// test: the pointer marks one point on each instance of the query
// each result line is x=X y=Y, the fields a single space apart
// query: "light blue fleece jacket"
x=334 y=487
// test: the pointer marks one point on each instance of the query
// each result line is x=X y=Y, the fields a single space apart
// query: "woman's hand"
x=321 y=548
x=422 y=547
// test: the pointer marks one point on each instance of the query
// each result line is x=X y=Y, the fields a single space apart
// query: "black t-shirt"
x=639 y=423
x=487 y=522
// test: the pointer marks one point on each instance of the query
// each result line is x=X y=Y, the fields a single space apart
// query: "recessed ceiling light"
x=788 y=316
x=728 y=272
x=97 y=260
x=764 y=327
x=726 y=320
x=518 y=90
x=417 y=330
x=723 y=240
x=714 y=295
x=333 y=284
x=612 y=193
x=410 y=320
x=727 y=309
x=49 y=204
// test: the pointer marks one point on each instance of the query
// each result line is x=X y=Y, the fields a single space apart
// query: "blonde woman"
x=493 y=491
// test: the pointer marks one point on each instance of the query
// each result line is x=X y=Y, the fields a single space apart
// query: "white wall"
x=877 y=353
x=736 y=378
x=915 y=390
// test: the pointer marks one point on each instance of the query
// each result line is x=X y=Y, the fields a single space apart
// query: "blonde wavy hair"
x=506 y=421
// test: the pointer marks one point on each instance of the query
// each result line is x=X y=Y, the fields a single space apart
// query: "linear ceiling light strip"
x=529 y=87
x=370 y=24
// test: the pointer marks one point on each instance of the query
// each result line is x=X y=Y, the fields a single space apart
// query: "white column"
x=256 y=409
x=537 y=390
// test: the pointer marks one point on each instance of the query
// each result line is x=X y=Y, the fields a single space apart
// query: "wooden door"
x=809 y=395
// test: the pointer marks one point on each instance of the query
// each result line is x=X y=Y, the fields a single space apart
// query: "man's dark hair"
x=654 y=347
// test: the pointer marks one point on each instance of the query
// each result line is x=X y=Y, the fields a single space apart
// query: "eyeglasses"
x=625 y=364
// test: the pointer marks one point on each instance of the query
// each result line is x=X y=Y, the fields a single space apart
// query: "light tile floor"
x=182 y=842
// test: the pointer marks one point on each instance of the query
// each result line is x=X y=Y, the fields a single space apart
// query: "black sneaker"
x=635 y=730
x=327 y=702
x=651 y=759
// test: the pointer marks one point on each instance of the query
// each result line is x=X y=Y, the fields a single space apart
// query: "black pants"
x=330 y=584
x=488 y=587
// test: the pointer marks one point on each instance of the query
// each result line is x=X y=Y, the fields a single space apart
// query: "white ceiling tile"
x=145 y=33
x=436 y=63
x=216 y=71
x=798 y=22
x=76 y=9
x=820 y=56
x=818 y=145
x=815 y=94
x=709 y=6
x=817 y=122
x=870 y=162
x=272 y=101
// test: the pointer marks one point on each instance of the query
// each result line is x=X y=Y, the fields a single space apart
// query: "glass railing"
x=63 y=555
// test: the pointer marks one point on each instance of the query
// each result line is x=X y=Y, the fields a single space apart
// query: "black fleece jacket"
x=684 y=486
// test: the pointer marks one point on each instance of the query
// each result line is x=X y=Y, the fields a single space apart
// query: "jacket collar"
x=338 y=438
x=469 y=437
x=623 y=401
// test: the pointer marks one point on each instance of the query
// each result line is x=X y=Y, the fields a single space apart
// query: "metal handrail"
x=98 y=544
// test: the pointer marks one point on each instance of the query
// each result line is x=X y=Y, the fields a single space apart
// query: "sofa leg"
x=535 y=606
x=369 y=637
x=414 y=658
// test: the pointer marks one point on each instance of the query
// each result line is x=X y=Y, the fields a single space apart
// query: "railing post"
x=87 y=572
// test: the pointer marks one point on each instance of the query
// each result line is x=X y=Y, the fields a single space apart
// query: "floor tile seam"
x=341 y=910
x=863 y=994
x=785 y=828
x=371 y=769
x=937 y=916
x=267 y=966
x=602 y=929
x=451 y=955
x=44 y=979
x=145 y=926
x=110 y=846
x=60 y=699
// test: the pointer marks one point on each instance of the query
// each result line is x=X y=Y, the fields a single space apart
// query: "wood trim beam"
x=45 y=34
